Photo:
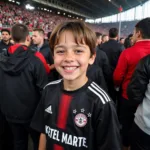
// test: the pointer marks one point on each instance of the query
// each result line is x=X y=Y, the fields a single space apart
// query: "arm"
x=42 y=142
x=138 y=85
x=120 y=70
x=107 y=129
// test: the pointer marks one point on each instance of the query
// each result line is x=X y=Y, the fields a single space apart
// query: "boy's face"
x=71 y=59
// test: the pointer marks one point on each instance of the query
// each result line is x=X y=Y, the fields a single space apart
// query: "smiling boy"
x=75 y=113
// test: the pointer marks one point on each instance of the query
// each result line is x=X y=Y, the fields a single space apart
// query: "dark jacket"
x=113 y=50
x=95 y=73
x=102 y=62
x=22 y=79
x=4 y=46
x=46 y=52
x=139 y=94
x=139 y=82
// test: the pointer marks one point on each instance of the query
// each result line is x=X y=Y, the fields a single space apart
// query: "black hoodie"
x=22 y=79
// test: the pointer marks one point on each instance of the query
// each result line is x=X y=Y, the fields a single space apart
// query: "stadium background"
x=99 y=15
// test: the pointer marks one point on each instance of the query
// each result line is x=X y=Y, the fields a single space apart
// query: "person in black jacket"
x=5 y=132
x=95 y=73
x=42 y=46
x=102 y=62
x=139 y=98
x=22 y=79
x=112 y=48
x=39 y=44
x=5 y=42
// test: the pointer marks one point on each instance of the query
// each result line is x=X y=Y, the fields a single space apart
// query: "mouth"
x=69 y=69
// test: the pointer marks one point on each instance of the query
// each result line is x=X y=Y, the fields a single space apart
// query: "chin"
x=69 y=78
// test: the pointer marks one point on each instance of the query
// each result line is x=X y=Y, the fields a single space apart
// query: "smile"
x=70 y=69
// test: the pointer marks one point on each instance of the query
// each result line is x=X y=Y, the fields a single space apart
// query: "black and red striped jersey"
x=84 y=119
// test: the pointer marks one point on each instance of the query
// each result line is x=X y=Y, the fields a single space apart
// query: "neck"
x=74 y=85
x=6 y=42
x=41 y=44
x=23 y=43
x=113 y=38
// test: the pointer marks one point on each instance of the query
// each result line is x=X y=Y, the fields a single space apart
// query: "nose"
x=69 y=57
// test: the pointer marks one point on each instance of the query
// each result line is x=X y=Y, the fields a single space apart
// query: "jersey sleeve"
x=107 y=128
x=38 y=118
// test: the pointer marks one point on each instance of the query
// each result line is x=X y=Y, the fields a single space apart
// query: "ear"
x=28 y=38
x=139 y=34
x=92 y=59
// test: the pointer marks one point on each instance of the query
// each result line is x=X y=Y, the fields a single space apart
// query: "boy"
x=75 y=113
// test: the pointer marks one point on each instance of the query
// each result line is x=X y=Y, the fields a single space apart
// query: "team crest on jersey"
x=80 y=120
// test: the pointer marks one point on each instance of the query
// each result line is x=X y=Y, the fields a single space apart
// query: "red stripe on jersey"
x=57 y=147
x=63 y=115
x=63 y=111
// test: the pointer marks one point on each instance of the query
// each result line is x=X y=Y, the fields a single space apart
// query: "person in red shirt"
x=124 y=70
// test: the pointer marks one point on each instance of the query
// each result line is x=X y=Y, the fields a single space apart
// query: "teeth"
x=70 y=68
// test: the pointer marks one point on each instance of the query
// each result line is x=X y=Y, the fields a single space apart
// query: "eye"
x=60 y=51
x=78 y=51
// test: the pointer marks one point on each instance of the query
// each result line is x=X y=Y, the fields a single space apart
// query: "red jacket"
x=127 y=63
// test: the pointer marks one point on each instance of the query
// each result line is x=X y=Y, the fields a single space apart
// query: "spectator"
x=42 y=46
x=22 y=79
x=5 y=41
x=112 y=48
x=101 y=62
x=139 y=95
x=122 y=41
x=128 y=41
x=98 y=39
x=124 y=70
x=105 y=38
x=75 y=108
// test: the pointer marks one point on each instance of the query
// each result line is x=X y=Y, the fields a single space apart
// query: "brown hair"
x=41 y=31
x=82 y=34
x=19 y=33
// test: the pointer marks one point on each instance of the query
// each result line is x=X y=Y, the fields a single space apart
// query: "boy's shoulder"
x=53 y=84
x=98 y=94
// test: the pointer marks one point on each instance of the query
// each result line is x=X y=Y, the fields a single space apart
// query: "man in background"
x=5 y=42
x=42 y=46
x=112 y=48
x=105 y=38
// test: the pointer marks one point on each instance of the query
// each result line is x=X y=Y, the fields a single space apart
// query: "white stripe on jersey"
x=53 y=82
x=101 y=98
x=95 y=86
